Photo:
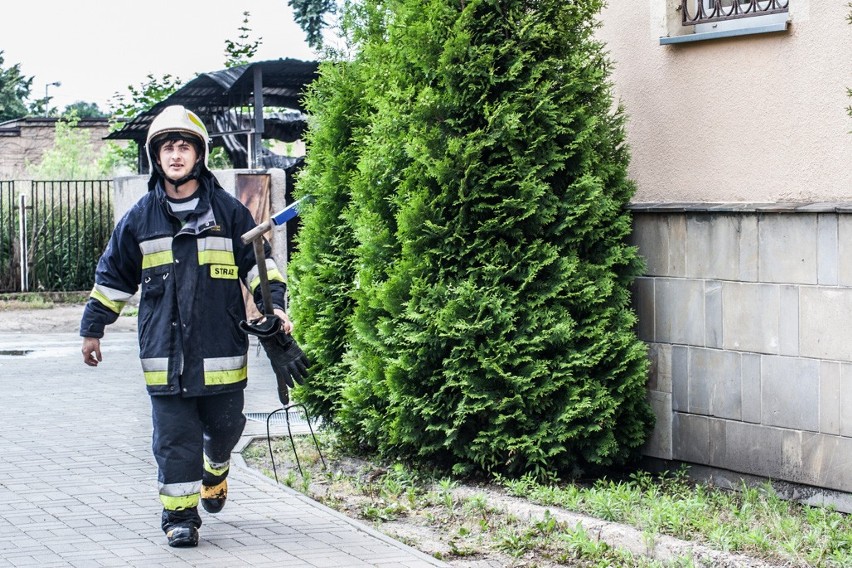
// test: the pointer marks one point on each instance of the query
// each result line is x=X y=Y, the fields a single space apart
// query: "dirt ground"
x=59 y=318
x=459 y=542
x=65 y=318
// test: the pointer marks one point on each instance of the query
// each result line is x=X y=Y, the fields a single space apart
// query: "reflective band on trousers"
x=111 y=298
x=215 y=250
x=156 y=252
x=217 y=370
x=178 y=496
x=216 y=468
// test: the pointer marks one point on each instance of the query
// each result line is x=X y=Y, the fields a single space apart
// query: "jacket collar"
x=202 y=218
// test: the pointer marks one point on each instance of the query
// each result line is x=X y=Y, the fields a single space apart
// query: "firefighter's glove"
x=288 y=360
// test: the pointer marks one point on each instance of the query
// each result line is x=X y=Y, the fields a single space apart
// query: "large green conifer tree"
x=321 y=274
x=492 y=329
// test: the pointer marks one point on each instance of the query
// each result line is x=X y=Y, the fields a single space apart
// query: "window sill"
x=705 y=36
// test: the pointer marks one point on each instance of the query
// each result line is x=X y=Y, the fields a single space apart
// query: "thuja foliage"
x=321 y=273
x=480 y=321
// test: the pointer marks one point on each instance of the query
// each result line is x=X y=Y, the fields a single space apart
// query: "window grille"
x=707 y=11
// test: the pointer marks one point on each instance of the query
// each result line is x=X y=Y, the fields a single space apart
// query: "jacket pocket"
x=154 y=282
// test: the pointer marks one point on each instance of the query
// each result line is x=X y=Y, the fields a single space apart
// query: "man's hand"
x=286 y=324
x=92 y=351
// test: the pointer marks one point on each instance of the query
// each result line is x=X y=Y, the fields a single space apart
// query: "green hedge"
x=463 y=276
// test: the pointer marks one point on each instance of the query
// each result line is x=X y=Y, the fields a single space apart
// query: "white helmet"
x=178 y=120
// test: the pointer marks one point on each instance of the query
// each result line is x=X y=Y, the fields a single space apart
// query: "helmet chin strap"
x=193 y=174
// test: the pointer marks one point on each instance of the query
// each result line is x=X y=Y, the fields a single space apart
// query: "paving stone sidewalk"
x=78 y=481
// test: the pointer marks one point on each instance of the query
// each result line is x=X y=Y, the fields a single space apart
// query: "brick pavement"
x=78 y=481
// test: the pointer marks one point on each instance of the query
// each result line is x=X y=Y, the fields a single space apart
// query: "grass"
x=40 y=300
x=47 y=300
x=753 y=521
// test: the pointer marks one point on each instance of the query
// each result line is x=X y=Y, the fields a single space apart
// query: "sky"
x=96 y=48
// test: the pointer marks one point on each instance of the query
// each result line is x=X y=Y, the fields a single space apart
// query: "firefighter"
x=180 y=246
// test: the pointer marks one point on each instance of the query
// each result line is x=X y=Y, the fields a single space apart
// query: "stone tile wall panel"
x=787 y=248
x=662 y=240
x=679 y=311
x=827 y=250
x=825 y=314
x=754 y=324
x=790 y=397
x=750 y=338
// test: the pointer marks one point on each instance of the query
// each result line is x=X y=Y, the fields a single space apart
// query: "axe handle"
x=260 y=258
x=254 y=234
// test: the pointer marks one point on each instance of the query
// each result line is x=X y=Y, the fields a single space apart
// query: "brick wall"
x=26 y=139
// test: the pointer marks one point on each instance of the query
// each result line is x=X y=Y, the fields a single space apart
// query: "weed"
x=752 y=520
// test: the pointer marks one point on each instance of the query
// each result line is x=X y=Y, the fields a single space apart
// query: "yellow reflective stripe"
x=225 y=377
x=225 y=370
x=156 y=370
x=156 y=252
x=273 y=275
x=178 y=496
x=214 y=468
x=110 y=304
x=179 y=503
x=112 y=293
x=157 y=259
x=156 y=378
x=216 y=257
x=215 y=250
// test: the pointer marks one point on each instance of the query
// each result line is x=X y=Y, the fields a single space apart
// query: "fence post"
x=22 y=237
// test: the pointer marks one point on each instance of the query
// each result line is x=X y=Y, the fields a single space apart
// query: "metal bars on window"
x=707 y=11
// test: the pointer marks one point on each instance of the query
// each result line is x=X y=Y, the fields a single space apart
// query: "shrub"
x=491 y=328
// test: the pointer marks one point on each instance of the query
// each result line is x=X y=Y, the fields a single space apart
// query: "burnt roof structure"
x=225 y=100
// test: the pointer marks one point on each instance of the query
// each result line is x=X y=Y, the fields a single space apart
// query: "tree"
x=310 y=16
x=323 y=273
x=85 y=110
x=241 y=52
x=72 y=156
x=14 y=90
x=491 y=329
x=126 y=106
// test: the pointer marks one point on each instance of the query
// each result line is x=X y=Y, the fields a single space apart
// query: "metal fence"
x=65 y=227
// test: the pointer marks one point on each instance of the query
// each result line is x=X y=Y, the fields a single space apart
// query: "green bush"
x=480 y=321
x=68 y=227
x=321 y=274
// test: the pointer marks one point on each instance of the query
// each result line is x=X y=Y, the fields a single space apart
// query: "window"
x=712 y=19
x=704 y=13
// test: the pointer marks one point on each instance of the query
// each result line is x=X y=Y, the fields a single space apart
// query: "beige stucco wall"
x=759 y=118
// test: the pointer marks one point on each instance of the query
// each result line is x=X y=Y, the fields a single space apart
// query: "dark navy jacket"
x=191 y=301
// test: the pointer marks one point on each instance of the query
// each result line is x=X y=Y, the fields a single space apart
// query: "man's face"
x=177 y=158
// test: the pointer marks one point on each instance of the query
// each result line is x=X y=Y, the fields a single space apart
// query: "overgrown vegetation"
x=72 y=156
x=68 y=227
x=526 y=523
x=140 y=98
x=40 y=300
x=462 y=280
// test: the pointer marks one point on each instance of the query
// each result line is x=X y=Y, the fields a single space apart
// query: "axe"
x=288 y=361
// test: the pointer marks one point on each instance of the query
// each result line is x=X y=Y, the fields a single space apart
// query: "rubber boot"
x=183 y=536
x=213 y=497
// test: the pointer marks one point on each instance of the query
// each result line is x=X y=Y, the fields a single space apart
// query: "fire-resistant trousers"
x=192 y=443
